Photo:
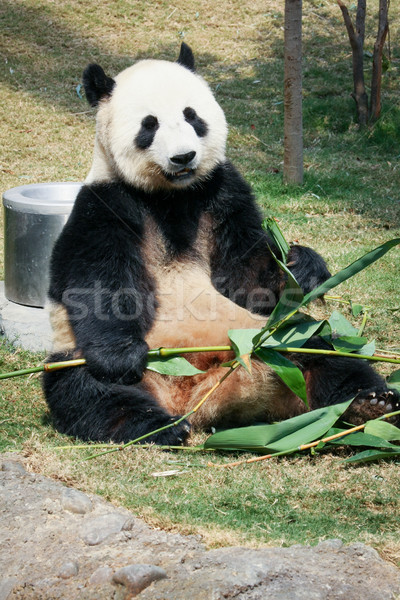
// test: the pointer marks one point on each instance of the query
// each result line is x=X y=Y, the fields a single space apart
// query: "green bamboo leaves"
x=354 y=268
x=394 y=380
x=284 y=437
x=286 y=370
x=176 y=365
x=311 y=430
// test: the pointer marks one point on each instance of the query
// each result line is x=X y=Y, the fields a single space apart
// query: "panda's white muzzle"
x=182 y=166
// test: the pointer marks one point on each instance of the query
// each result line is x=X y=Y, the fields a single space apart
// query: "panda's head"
x=158 y=124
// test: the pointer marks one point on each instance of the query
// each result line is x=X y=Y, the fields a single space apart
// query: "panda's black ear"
x=96 y=83
x=186 y=58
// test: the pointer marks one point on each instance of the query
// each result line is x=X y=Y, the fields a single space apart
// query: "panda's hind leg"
x=89 y=409
x=331 y=380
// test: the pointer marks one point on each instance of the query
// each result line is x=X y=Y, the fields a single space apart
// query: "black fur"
x=186 y=58
x=147 y=131
x=308 y=267
x=93 y=410
x=333 y=379
x=97 y=84
x=198 y=124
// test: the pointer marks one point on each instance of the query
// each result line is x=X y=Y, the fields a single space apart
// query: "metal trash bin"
x=34 y=216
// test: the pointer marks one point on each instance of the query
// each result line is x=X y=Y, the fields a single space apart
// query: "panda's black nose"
x=183 y=159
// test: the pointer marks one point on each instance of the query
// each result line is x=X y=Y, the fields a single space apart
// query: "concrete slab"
x=24 y=326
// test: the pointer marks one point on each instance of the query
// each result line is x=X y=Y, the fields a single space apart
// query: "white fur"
x=162 y=89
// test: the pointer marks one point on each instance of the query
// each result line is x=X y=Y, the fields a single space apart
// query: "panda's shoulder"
x=97 y=196
x=106 y=201
x=233 y=180
x=233 y=193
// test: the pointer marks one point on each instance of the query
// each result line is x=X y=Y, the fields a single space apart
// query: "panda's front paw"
x=372 y=404
x=133 y=364
x=118 y=364
x=173 y=436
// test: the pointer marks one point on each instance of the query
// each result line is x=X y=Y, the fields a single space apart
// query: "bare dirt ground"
x=58 y=543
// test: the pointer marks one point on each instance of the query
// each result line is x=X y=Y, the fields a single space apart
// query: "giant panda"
x=164 y=247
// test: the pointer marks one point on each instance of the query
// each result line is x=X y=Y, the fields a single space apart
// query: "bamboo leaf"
x=347 y=343
x=287 y=371
x=177 y=365
x=371 y=455
x=294 y=336
x=356 y=309
x=382 y=429
x=286 y=436
x=368 y=349
x=242 y=344
x=271 y=226
x=354 y=268
x=393 y=380
x=291 y=296
x=340 y=325
x=358 y=438
x=242 y=340
x=290 y=299
x=245 y=361
x=282 y=309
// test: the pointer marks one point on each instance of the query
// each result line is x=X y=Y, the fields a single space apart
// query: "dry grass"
x=271 y=503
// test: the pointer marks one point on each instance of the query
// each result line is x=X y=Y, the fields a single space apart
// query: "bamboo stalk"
x=21 y=372
x=55 y=366
x=140 y=446
x=363 y=324
x=46 y=367
x=167 y=352
x=374 y=357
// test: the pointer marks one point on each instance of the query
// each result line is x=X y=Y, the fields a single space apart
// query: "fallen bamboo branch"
x=300 y=448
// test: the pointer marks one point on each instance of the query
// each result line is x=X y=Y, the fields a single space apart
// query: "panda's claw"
x=372 y=404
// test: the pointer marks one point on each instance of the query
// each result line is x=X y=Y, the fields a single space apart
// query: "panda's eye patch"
x=195 y=121
x=147 y=131
x=150 y=122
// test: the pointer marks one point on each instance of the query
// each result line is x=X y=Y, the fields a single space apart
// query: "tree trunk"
x=356 y=38
x=376 y=80
x=293 y=118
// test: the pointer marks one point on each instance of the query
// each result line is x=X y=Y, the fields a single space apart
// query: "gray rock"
x=98 y=529
x=329 y=545
x=101 y=576
x=38 y=538
x=68 y=569
x=13 y=466
x=6 y=587
x=138 y=577
x=75 y=501
x=307 y=573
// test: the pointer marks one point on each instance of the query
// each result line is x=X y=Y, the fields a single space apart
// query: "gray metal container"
x=34 y=216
